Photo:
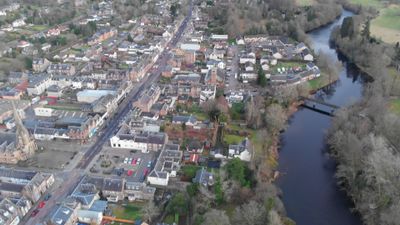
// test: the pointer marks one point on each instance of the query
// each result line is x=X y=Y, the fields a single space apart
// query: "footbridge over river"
x=318 y=106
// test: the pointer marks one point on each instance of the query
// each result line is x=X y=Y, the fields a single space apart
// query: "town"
x=108 y=116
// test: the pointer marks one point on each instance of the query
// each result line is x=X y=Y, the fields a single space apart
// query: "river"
x=310 y=193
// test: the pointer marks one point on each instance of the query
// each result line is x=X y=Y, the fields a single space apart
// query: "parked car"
x=34 y=212
x=47 y=197
x=129 y=173
x=41 y=204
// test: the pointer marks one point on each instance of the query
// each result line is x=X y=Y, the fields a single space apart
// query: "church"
x=19 y=146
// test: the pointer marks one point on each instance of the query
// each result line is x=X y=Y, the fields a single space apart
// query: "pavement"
x=73 y=177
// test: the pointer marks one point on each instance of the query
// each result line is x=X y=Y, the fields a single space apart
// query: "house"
x=102 y=35
x=307 y=56
x=249 y=67
x=250 y=57
x=40 y=64
x=18 y=23
x=219 y=37
x=242 y=151
x=265 y=66
x=17 y=77
x=61 y=69
x=38 y=84
x=187 y=120
x=300 y=47
x=65 y=214
x=204 y=178
x=207 y=92
x=276 y=53
x=23 y=44
x=217 y=54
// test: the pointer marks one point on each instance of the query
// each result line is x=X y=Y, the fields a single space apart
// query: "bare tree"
x=275 y=118
x=216 y=217
x=252 y=213
x=149 y=211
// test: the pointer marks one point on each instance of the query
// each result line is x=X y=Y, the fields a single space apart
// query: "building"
x=21 y=146
x=90 y=96
x=61 y=69
x=38 y=84
x=65 y=214
x=143 y=141
x=148 y=98
x=40 y=64
x=204 y=178
x=168 y=163
x=19 y=190
x=242 y=151
x=102 y=35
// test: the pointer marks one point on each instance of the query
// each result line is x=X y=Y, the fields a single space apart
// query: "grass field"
x=387 y=25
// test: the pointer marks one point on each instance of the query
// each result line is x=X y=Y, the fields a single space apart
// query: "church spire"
x=23 y=137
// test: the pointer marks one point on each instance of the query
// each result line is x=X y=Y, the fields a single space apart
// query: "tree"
x=149 y=211
x=130 y=39
x=237 y=170
x=252 y=213
x=261 y=79
x=347 y=29
x=216 y=217
x=192 y=189
x=365 y=33
x=275 y=118
x=274 y=218
x=178 y=204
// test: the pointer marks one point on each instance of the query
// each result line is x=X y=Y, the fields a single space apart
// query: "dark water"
x=310 y=193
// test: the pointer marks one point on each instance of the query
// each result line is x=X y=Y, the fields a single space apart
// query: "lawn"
x=305 y=2
x=387 y=25
x=190 y=171
x=38 y=27
x=130 y=211
x=395 y=106
x=232 y=139
x=370 y=3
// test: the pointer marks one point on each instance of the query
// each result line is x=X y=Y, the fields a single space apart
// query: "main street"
x=71 y=178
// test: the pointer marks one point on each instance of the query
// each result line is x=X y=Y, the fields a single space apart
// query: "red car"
x=133 y=162
x=41 y=204
x=34 y=212
x=146 y=171
x=130 y=172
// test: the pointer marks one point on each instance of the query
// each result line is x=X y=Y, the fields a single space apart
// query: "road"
x=73 y=177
